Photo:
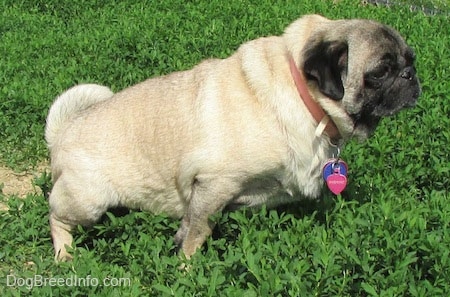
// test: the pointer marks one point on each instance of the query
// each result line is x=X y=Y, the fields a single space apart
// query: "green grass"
x=387 y=236
x=436 y=5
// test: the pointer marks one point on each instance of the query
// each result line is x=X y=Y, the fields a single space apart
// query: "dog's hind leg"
x=71 y=204
x=62 y=237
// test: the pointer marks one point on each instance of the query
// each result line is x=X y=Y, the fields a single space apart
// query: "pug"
x=253 y=128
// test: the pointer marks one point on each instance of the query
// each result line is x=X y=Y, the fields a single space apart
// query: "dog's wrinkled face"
x=367 y=68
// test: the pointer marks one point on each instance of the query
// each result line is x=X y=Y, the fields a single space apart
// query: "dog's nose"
x=408 y=73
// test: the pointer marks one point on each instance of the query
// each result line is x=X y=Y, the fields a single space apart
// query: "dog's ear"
x=326 y=62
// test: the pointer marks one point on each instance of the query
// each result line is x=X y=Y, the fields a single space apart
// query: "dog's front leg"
x=208 y=197
x=181 y=233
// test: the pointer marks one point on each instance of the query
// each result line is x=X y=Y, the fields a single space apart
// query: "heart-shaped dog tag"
x=336 y=183
x=335 y=175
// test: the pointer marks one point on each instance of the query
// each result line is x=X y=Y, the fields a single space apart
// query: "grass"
x=427 y=6
x=388 y=235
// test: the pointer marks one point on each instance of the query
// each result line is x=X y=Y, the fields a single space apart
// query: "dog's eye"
x=375 y=78
x=380 y=73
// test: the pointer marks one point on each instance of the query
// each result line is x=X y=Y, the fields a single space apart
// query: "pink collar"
x=314 y=108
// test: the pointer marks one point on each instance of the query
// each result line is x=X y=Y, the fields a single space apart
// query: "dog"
x=253 y=128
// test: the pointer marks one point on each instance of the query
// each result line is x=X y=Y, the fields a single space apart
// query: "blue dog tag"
x=333 y=166
x=335 y=175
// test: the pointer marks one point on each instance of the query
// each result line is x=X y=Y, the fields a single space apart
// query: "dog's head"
x=364 y=69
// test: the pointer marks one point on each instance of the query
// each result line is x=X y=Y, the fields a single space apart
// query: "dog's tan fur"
x=231 y=131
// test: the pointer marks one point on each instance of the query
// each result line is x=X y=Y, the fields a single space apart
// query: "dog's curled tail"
x=71 y=102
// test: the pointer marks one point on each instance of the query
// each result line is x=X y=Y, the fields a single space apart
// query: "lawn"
x=387 y=235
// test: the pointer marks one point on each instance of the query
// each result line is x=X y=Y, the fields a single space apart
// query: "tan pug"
x=239 y=131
